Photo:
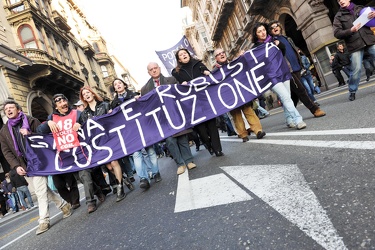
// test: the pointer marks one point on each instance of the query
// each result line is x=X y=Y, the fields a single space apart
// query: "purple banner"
x=167 y=57
x=161 y=113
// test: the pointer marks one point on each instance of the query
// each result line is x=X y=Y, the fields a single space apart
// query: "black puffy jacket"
x=342 y=24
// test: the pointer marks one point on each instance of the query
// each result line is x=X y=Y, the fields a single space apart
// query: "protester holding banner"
x=95 y=106
x=66 y=184
x=294 y=62
x=282 y=89
x=186 y=70
x=178 y=145
x=247 y=109
x=13 y=147
x=125 y=94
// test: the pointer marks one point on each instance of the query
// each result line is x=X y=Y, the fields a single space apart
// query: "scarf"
x=268 y=39
x=350 y=8
x=15 y=121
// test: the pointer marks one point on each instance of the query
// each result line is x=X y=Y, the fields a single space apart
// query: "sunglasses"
x=219 y=54
x=60 y=98
x=275 y=26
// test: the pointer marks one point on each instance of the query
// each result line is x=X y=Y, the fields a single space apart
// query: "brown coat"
x=7 y=146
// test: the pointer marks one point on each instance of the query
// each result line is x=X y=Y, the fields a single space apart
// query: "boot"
x=120 y=192
x=128 y=183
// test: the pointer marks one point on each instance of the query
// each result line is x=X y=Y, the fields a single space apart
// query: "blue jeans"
x=141 y=166
x=356 y=66
x=180 y=149
x=22 y=192
x=282 y=89
x=12 y=197
x=308 y=83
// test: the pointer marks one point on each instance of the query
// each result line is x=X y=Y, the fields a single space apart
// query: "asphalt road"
x=308 y=189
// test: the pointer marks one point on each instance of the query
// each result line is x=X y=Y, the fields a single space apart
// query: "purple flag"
x=161 y=113
x=168 y=56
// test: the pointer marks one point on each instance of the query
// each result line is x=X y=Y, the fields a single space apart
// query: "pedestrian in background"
x=21 y=185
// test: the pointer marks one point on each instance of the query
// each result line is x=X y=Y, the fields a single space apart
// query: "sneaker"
x=67 y=210
x=191 y=165
x=101 y=197
x=291 y=125
x=43 y=227
x=301 y=125
x=75 y=206
x=317 y=104
x=319 y=113
x=245 y=139
x=181 y=170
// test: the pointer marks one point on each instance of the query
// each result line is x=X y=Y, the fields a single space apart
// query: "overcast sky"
x=133 y=30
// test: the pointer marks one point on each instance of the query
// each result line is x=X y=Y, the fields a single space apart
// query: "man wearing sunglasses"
x=295 y=65
x=66 y=184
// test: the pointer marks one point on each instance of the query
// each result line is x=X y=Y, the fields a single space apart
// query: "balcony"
x=49 y=73
x=225 y=10
x=88 y=49
x=103 y=57
x=60 y=21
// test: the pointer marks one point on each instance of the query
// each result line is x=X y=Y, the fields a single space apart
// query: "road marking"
x=315 y=143
x=208 y=191
x=284 y=188
x=313 y=132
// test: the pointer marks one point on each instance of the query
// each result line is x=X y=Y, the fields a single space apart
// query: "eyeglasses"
x=275 y=26
x=60 y=98
x=221 y=53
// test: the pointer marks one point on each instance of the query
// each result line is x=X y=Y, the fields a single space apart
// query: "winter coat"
x=117 y=102
x=7 y=146
x=45 y=129
x=149 y=86
x=343 y=22
x=188 y=71
x=101 y=108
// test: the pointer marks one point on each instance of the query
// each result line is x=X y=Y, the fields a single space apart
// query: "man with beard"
x=63 y=114
x=12 y=140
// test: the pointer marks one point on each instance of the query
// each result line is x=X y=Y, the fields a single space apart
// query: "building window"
x=104 y=70
x=41 y=39
x=27 y=37
x=51 y=44
x=96 y=47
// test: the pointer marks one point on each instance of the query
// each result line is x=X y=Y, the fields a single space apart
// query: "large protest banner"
x=161 y=113
x=167 y=57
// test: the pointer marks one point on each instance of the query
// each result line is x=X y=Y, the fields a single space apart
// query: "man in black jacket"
x=358 y=39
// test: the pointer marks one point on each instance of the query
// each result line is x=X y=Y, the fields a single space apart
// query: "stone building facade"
x=228 y=24
x=67 y=52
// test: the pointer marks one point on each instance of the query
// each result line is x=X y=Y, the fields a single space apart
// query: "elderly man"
x=178 y=144
x=13 y=147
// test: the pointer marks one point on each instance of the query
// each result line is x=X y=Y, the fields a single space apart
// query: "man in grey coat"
x=178 y=144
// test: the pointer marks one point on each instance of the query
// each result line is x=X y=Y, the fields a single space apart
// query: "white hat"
x=79 y=103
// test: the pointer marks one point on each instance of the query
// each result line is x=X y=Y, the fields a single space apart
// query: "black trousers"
x=209 y=134
x=298 y=90
x=66 y=185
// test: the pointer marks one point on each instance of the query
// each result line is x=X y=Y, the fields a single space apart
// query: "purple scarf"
x=268 y=39
x=350 y=8
x=15 y=121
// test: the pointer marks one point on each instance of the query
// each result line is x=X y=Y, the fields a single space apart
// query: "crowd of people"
x=241 y=121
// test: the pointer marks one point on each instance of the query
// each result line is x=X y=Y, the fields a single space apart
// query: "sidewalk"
x=10 y=215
